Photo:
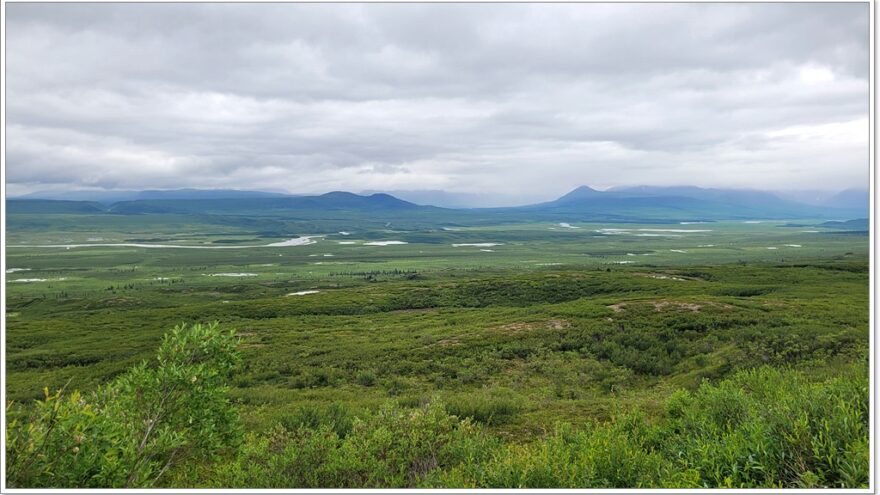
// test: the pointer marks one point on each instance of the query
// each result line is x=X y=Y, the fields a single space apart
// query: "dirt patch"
x=618 y=308
x=517 y=327
x=773 y=303
x=522 y=326
x=667 y=276
x=658 y=305
x=662 y=304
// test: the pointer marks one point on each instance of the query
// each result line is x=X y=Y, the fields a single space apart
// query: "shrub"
x=761 y=428
x=334 y=416
x=131 y=431
x=393 y=447
x=366 y=378
x=494 y=409
x=770 y=427
x=598 y=457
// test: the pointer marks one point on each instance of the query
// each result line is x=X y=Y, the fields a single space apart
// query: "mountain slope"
x=44 y=206
x=682 y=203
x=332 y=201
x=110 y=197
x=583 y=204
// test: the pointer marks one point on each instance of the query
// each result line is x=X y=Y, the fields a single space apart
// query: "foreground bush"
x=392 y=448
x=761 y=428
x=130 y=432
x=767 y=427
x=169 y=423
x=615 y=455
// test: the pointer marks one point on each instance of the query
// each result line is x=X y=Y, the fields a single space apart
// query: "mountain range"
x=626 y=204
x=110 y=197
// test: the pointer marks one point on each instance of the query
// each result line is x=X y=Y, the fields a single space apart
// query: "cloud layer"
x=517 y=99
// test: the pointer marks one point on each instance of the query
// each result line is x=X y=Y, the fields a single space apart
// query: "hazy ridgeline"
x=516 y=354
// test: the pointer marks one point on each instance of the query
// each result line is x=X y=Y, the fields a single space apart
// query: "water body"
x=654 y=232
x=385 y=243
x=303 y=293
x=676 y=230
x=297 y=241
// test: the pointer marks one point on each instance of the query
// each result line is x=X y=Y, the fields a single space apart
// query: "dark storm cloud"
x=517 y=98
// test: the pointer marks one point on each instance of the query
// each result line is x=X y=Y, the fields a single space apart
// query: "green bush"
x=335 y=417
x=490 y=410
x=367 y=378
x=762 y=428
x=770 y=427
x=597 y=457
x=391 y=448
x=169 y=423
x=131 y=431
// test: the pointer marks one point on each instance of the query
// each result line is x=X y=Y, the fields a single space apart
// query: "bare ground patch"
x=693 y=306
x=618 y=308
x=555 y=324
x=773 y=303
x=558 y=324
x=658 y=305
x=667 y=276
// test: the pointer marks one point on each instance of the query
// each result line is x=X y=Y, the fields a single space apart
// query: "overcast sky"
x=513 y=99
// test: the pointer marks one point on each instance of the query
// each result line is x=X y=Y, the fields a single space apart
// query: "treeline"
x=169 y=423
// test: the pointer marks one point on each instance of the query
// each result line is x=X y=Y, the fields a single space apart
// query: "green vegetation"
x=762 y=427
x=595 y=356
x=131 y=431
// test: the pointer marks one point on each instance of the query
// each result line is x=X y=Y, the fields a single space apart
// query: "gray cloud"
x=519 y=99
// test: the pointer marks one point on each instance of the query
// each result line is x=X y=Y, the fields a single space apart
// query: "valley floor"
x=719 y=355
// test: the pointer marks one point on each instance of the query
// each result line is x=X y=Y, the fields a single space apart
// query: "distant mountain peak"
x=583 y=190
x=336 y=199
x=338 y=194
x=580 y=193
x=383 y=196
